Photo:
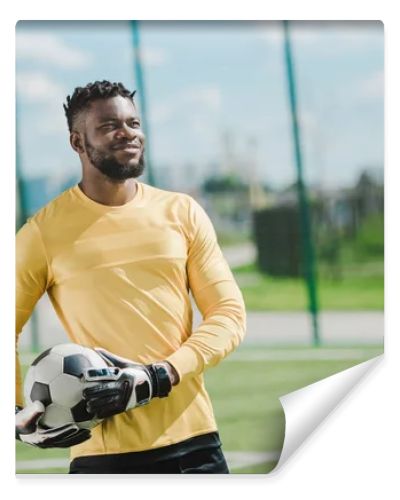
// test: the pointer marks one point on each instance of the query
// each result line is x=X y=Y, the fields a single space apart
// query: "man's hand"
x=126 y=384
x=28 y=430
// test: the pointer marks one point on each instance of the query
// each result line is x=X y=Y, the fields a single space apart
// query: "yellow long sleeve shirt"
x=119 y=278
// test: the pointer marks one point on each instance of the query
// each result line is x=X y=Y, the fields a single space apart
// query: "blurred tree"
x=369 y=240
x=329 y=253
x=224 y=183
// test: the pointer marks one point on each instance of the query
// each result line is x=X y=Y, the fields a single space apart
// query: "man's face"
x=113 y=139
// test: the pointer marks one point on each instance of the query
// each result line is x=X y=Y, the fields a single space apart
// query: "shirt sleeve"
x=217 y=296
x=32 y=280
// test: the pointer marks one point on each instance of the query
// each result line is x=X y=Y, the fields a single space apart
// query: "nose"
x=126 y=132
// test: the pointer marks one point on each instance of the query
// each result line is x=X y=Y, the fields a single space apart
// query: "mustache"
x=123 y=144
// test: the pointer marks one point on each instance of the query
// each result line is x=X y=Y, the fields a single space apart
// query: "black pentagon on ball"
x=41 y=392
x=75 y=364
x=41 y=356
x=79 y=412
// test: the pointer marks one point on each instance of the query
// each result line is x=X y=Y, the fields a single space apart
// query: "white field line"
x=235 y=459
x=44 y=463
x=265 y=354
x=240 y=459
x=301 y=355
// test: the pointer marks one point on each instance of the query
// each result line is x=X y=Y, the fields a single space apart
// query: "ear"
x=76 y=142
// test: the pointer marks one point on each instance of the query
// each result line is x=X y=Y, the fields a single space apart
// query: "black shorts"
x=198 y=455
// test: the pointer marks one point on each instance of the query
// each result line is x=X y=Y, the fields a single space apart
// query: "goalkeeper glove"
x=28 y=429
x=125 y=384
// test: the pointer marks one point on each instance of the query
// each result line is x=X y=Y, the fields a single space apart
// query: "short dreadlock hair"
x=84 y=96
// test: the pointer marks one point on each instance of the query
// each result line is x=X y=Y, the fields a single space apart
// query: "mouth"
x=127 y=147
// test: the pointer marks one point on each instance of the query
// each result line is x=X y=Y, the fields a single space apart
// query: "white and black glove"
x=28 y=429
x=125 y=385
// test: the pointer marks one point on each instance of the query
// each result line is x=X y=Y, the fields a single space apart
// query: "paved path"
x=295 y=327
x=240 y=255
x=268 y=328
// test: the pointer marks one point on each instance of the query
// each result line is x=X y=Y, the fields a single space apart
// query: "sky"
x=216 y=96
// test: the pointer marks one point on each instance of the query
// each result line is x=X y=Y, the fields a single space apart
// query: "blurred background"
x=277 y=129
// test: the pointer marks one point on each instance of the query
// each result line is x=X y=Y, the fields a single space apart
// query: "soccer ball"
x=55 y=379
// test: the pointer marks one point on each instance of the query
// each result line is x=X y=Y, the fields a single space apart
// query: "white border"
x=350 y=454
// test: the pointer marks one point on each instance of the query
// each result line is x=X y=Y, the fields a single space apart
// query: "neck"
x=107 y=192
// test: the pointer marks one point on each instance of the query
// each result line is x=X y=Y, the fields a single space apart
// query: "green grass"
x=253 y=419
x=227 y=239
x=55 y=470
x=245 y=400
x=25 y=452
x=361 y=288
x=263 y=468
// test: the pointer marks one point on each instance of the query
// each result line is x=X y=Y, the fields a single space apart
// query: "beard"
x=109 y=166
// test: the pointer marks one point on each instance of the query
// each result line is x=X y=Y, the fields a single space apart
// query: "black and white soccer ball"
x=56 y=379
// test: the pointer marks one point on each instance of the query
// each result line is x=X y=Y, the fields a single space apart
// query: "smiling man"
x=118 y=259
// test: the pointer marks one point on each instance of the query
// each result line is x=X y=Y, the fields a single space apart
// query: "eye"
x=108 y=126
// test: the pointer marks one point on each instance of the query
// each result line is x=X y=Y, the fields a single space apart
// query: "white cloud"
x=160 y=112
x=35 y=86
x=272 y=33
x=359 y=91
x=373 y=87
x=308 y=120
x=154 y=57
x=206 y=98
x=53 y=122
x=324 y=35
x=49 y=49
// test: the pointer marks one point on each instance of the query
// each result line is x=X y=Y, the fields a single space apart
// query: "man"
x=118 y=259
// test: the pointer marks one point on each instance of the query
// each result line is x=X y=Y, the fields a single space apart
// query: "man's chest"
x=144 y=244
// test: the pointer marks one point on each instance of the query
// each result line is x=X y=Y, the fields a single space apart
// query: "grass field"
x=244 y=390
x=361 y=288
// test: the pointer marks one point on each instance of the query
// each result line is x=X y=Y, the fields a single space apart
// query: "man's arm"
x=217 y=296
x=33 y=277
